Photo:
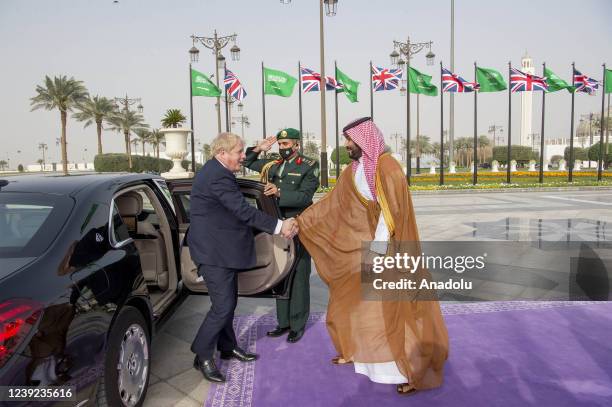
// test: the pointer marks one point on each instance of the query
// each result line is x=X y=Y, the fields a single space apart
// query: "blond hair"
x=225 y=142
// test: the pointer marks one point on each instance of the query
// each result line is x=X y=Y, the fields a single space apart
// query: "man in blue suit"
x=221 y=243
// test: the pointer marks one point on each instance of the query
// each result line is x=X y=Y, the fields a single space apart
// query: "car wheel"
x=127 y=364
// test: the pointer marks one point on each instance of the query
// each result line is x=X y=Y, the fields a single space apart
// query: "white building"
x=526 y=106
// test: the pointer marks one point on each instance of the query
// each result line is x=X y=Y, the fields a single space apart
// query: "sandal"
x=338 y=360
x=405 y=389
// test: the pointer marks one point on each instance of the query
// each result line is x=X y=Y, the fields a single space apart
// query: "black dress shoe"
x=239 y=354
x=295 y=336
x=208 y=369
x=278 y=331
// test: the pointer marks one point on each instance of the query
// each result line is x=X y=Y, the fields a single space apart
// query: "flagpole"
x=300 y=106
x=475 y=178
x=193 y=169
x=571 y=152
x=542 y=127
x=371 y=94
x=508 y=156
x=226 y=105
x=441 y=127
x=408 y=156
x=601 y=124
x=607 y=130
x=337 y=136
x=263 y=100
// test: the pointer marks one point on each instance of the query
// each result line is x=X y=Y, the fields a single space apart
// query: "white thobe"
x=387 y=372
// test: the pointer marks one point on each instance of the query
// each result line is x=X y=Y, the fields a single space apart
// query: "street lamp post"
x=127 y=102
x=216 y=44
x=493 y=129
x=408 y=49
x=330 y=10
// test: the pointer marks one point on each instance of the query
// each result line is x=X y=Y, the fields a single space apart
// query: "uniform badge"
x=283 y=134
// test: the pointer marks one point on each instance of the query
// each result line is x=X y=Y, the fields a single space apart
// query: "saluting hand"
x=265 y=144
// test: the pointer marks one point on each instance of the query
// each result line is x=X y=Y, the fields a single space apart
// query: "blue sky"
x=140 y=48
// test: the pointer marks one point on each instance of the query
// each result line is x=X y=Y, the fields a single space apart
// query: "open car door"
x=276 y=256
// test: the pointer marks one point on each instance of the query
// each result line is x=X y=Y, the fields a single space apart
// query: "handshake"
x=289 y=228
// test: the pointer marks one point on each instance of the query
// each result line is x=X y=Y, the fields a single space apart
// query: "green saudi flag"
x=608 y=88
x=421 y=83
x=555 y=83
x=278 y=83
x=490 y=80
x=202 y=86
x=349 y=86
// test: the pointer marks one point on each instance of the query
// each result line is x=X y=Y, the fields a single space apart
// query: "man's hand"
x=265 y=144
x=289 y=228
x=271 y=190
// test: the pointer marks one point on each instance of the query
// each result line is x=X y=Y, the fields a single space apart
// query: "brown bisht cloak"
x=410 y=332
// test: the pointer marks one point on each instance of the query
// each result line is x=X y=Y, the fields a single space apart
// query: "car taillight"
x=17 y=318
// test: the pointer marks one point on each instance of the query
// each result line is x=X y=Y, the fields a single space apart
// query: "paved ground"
x=587 y=214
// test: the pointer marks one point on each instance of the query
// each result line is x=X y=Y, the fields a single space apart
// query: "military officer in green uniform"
x=293 y=180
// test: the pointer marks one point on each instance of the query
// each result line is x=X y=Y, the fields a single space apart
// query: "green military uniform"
x=297 y=179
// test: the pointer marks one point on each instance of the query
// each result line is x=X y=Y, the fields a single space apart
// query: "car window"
x=119 y=231
x=185 y=200
x=30 y=222
x=164 y=188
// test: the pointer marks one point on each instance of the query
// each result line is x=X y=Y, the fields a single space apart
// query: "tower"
x=526 y=105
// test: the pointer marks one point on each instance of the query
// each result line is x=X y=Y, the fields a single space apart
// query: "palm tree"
x=483 y=143
x=64 y=94
x=95 y=110
x=3 y=164
x=173 y=118
x=127 y=121
x=206 y=152
x=135 y=142
x=156 y=139
x=144 y=136
x=40 y=162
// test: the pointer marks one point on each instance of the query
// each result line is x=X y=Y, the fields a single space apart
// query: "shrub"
x=579 y=154
x=115 y=162
x=522 y=154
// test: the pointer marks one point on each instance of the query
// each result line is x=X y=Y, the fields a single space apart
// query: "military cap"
x=288 y=133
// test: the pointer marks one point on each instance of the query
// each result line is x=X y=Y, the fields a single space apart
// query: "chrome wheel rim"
x=133 y=365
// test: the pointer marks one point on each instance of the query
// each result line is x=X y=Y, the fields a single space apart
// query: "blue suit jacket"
x=221 y=219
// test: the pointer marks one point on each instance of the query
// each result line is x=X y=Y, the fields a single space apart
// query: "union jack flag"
x=385 y=79
x=332 y=84
x=311 y=80
x=524 y=82
x=452 y=82
x=233 y=87
x=585 y=84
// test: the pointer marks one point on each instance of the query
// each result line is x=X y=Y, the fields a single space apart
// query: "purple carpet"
x=501 y=354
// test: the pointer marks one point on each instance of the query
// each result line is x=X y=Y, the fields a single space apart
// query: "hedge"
x=116 y=162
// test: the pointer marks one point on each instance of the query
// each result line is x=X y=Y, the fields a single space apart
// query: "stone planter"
x=513 y=166
x=452 y=168
x=432 y=170
x=532 y=167
x=176 y=149
x=495 y=166
x=546 y=165
x=577 y=165
x=562 y=165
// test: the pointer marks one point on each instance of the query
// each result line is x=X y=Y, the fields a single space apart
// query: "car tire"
x=127 y=363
